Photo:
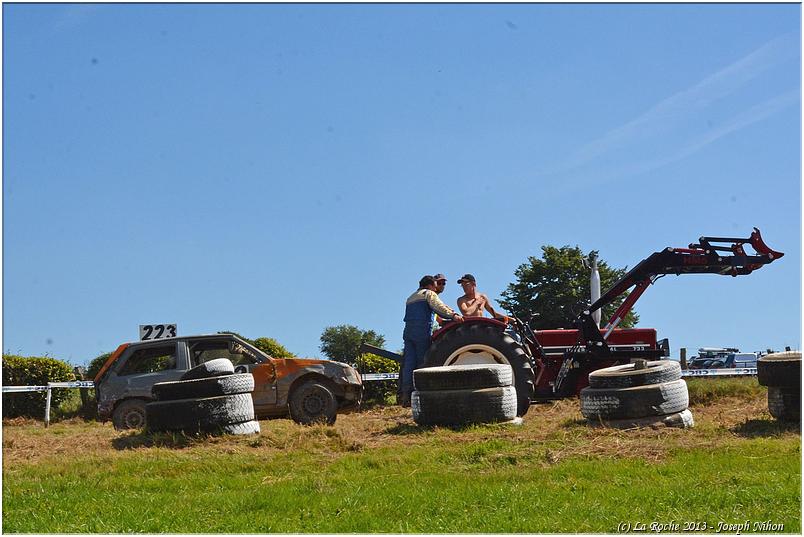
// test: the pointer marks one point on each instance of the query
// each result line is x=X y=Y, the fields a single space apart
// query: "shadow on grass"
x=765 y=428
x=167 y=440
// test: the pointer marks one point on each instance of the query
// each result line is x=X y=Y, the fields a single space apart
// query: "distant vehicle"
x=708 y=355
x=735 y=360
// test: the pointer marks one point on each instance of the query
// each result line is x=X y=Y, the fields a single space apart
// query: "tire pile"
x=209 y=398
x=781 y=373
x=463 y=394
x=644 y=393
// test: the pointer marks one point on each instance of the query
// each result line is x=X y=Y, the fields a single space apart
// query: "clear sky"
x=277 y=169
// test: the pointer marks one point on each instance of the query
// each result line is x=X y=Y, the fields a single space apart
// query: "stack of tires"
x=210 y=398
x=644 y=393
x=781 y=373
x=463 y=394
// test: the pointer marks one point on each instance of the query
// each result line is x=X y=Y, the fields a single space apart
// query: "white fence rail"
x=726 y=372
x=84 y=384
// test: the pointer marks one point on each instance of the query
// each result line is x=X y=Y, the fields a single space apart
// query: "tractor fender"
x=467 y=320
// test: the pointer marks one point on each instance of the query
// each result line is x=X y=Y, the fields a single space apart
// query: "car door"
x=143 y=367
x=243 y=358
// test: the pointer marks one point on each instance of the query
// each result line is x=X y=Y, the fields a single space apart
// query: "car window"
x=204 y=351
x=150 y=360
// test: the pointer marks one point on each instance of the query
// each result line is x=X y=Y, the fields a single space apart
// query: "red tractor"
x=551 y=364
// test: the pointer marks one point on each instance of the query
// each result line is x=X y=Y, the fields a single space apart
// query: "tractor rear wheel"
x=476 y=343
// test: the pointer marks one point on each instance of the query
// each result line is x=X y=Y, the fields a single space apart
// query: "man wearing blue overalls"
x=419 y=310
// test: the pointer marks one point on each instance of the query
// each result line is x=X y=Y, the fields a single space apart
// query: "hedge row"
x=33 y=371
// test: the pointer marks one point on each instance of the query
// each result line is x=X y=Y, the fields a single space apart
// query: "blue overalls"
x=418 y=329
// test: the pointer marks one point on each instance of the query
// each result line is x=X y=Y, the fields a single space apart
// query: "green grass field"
x=376 y=471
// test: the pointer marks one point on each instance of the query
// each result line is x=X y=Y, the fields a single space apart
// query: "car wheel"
x=312 y=402
x=213 y=368
x=626 y=376
x=130 y=414
x=636 y=402
x=459 y=407
x=462 y=377
x=475 y=343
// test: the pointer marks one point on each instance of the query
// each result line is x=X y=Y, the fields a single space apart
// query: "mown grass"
x=379 y=472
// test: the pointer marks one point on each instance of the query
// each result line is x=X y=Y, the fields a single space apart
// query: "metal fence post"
x=47 y=406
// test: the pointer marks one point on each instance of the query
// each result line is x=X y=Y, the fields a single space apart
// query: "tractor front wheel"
x=476 y=343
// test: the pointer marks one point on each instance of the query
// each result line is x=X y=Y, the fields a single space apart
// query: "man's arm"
x=494 y=314
x=439 y=307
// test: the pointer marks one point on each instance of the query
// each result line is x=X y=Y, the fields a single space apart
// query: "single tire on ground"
x=636 y=402
x=780 y=369
x=474 y=342
x=461 y=407
x=627 y=376
x=199 y=414
x=213 y=368
x=247 y=427
x=204 y=387
x=784 y=404
x=681 y=420
x=129 y=414
x=313 y=402
x=462 y=377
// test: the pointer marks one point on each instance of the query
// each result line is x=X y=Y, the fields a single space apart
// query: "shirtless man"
x=473 y=303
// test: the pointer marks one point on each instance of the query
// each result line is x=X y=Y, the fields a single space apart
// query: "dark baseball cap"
x=425 y=281
x=467 y=278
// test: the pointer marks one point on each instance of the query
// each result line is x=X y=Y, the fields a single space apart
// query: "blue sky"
x=277 y=169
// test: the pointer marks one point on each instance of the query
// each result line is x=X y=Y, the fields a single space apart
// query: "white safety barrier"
x=726 y=372
x=379 y=376
x=85 y=384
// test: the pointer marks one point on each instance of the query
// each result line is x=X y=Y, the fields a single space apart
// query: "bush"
x=377 y=392
x=33 y=371
x=272 y=347
x=95 y=365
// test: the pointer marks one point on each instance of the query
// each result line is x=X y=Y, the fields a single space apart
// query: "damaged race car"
x=308 y=390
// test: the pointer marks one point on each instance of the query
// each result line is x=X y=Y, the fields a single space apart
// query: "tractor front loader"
x=551 y=364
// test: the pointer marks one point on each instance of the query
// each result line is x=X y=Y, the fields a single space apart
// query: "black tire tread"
x=636 y=402
x=296 y=407
x=627 y=376
x=784 y=404
x=461 y=407
x=469 y=333
x=199 y=414
x=212 y=368
x=203 y=387
x=462 y=377
x=780 y=369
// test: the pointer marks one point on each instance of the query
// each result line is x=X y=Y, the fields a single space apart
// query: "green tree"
x=557 y=288
x=96 y=364
x=272 y=347
x=342 y=343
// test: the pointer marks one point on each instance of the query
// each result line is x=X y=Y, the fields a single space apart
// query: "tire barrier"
x=463 y=394
x=210 y=398
x=641 y=394
x=781 y=373
x=488 y=345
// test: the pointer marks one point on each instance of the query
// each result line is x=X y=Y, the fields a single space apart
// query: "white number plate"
x=156 y=331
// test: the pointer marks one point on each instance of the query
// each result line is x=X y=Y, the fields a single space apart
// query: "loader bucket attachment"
x=761 y=248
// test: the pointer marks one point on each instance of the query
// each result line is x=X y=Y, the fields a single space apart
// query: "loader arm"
x=710 y=255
